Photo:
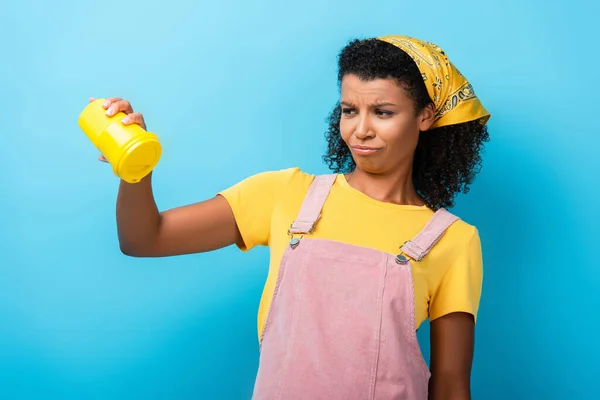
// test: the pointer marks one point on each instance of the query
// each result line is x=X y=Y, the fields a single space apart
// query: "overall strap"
x=420 y=246
x=310 y=212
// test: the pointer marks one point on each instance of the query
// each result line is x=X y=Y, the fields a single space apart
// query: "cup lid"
x=139 y=159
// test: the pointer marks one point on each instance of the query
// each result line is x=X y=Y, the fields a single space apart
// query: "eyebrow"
x=384 y=104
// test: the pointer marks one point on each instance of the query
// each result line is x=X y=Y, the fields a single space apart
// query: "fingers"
x=118 y=106
x=134 y=118
x=114 y=105
x=108 y=102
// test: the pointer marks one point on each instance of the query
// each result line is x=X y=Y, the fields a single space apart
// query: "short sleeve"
x=252 y=202
x=460 y=288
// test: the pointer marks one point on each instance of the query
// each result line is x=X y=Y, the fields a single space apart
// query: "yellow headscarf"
x=453 y=96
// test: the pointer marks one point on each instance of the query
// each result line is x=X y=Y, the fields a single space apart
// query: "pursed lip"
x=364 y=150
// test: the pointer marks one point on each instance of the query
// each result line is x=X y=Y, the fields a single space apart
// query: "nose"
x=363 y=129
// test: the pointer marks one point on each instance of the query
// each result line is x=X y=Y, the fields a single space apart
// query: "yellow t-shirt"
x=448 y=279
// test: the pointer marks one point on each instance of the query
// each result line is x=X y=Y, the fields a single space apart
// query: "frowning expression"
x=379 y=123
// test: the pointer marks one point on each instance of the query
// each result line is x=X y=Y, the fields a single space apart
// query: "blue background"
x=235 y=88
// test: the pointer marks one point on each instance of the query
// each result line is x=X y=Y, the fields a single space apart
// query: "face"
x=379 y=124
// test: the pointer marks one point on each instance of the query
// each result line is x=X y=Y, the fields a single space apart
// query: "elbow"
x=138 y=246
x=135 y=251
x=129 y=251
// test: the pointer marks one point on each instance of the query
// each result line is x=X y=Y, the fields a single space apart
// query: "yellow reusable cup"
x=132 y=151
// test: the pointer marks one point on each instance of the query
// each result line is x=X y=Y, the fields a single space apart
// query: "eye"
x=348 y=111
x=384 y=113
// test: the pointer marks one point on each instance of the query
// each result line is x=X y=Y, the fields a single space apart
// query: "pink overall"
x=341 y=325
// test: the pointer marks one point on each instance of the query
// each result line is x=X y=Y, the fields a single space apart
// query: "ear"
x=427 y=117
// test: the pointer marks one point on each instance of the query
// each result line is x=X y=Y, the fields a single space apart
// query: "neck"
x=395 y=187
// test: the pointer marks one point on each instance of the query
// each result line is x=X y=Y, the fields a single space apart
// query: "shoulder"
x=281 y=176
x=272 y=180
x=297 y=178
x=293 y=175
x=269 y=188
x=292 y=180
x=460 y=238
x=463 y=231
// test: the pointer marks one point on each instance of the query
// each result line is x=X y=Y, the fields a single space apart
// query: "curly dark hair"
x=446 y=158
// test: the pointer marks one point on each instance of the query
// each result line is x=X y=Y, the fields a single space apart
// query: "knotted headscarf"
x=454 y=98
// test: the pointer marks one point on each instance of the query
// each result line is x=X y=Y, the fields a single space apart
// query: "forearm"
x=138 y=218
x=447 y=387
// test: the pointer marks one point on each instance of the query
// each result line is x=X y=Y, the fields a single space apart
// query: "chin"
x=370 y=168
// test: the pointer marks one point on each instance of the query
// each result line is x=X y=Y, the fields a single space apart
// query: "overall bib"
x=341 y=325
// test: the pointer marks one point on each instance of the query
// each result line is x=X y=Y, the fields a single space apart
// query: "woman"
x=361 y=257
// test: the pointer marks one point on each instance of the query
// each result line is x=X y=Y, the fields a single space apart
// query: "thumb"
x=102 y=158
